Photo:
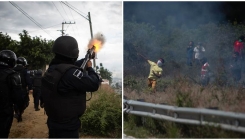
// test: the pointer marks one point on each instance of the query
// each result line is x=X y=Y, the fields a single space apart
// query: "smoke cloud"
x=164 y=29
x=98 y=39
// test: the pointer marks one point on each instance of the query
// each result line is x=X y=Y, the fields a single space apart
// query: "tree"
x=37 y=51
x=105 y=73
x=5 y=41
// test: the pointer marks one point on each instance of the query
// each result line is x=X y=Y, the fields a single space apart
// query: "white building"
x=105 y=81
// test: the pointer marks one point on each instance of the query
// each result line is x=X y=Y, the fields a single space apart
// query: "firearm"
x=88 y=56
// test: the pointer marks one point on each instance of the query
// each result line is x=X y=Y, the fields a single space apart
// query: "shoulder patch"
x=78 y=74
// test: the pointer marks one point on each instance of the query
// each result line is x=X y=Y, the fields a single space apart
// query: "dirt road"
x=33 y=124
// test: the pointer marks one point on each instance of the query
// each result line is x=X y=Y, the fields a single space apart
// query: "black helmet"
x=22 y=61
x=8 y=58
x=66 y=46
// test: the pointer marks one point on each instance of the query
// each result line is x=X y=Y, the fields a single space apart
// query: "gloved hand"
x=89 y=64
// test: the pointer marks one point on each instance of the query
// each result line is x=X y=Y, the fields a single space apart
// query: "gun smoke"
x=98 y=41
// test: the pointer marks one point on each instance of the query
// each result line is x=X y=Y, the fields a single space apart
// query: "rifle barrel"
x=88 y=57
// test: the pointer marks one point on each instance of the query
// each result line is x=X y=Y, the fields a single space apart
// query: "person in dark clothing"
x=31 y=72
x=10 y=87
x=26 y=86
x=190 y=52
x=64 y=87
x=235 y=66
x=36 y=85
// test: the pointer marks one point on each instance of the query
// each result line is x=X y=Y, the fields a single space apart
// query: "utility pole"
x=62 y=31
x=90 y=24
x=91 y=32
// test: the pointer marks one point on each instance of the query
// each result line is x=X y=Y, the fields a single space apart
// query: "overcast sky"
x=106 y=18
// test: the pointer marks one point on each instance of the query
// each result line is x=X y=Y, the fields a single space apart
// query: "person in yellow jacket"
x=155 y=72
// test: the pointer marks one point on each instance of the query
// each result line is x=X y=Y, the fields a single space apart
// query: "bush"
x=103 y=116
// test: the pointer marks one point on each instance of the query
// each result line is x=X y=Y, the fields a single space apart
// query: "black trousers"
x=68 y=129
x=5 y=125
x=66 y=134
x=19 y=108
x=37 y=97
x=26 y=98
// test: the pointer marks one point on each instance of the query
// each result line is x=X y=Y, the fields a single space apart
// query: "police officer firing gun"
x=64 y=87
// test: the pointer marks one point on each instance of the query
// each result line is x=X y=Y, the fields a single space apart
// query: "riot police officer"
x=36 y=85
x=10 y=87
x=64 y=87
x=26 y=86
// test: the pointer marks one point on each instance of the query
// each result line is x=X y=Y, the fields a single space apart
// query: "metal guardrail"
x=197 y=116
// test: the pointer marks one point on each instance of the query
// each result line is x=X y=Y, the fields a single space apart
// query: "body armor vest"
x=37 y=81
x=20 y=70
x=61 y=108
x=5 y=95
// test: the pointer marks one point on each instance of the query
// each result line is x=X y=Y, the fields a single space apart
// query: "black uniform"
x=10 y=87
x=26 y=82
x=64 y=88
x=36 y=85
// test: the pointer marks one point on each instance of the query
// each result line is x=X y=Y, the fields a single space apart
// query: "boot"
x=19 y=119
x=37 y=109
x=42 y=105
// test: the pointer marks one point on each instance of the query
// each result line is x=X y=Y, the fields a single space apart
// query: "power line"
x=75 y=10
x=46 y=27
x=64 y=10
x=29 y=17
x=74 y=20
x=62 y=17
x=67 y=16
x=58 y=11
x=89 y=18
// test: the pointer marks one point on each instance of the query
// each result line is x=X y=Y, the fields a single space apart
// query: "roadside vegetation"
x=103 y=116
x=181 y=92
